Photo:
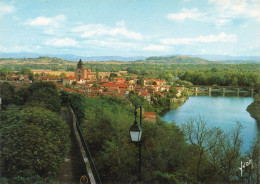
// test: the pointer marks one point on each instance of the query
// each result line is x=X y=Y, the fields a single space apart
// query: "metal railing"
x=85 y=146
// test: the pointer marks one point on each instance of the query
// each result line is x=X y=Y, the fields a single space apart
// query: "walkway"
x=73 y=167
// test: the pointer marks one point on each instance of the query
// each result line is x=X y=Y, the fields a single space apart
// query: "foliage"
x=222 y=78
x=251 y=174
x=5 y=71
x=7 y=94
x=25 y=71
x=46 y=96
x=172 y=92
x=177 y=59
x=160 y=103
x=139 y=100
x=76 y=101
x=33 y=142
x=215 y=154
x=254 y=109
x=43 y=94
x=106 y=129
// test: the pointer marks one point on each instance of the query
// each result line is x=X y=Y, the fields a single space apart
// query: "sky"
x=130 y=27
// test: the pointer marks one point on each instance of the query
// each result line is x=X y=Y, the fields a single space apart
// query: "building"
x=82 y=74
x=150 y=116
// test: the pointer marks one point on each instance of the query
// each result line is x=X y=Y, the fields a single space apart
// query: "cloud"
x=99 y=30
x=120 y=23
x=237 y=8
x=222 y=37
x=155 y=48
x=47 y=21
x=65 y=42
x=186 y=14
x=19 y=48
x=222 y=22
x=6 y=9
x=109 y=43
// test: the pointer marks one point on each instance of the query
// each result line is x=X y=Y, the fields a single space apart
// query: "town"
x=98 y=84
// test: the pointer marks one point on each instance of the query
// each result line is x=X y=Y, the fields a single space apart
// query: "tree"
x=97 y=74
x=7 y=94
x=172 y=92
x=25 y=71
x=229 y=152
x=47 y=97
x=33 y=142
x=215 y=153
x=140 y=80
x=4 y=71
x=63 y=75
x=200 y=136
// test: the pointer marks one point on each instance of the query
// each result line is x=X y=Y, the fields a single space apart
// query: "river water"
x=219 y=111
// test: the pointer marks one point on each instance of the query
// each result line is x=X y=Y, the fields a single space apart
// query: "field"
x=53 y=72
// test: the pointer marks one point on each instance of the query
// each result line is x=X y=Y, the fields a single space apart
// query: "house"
x=179 y=92
x=150 y=116
x=68 y=80
x=146 y=95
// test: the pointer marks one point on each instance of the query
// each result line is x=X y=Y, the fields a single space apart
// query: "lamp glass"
x=136 y=135
x=135 y=132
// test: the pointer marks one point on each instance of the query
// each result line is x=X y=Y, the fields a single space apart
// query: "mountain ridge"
x=202 y=59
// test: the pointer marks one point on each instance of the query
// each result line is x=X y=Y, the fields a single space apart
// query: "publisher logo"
x=246 y=164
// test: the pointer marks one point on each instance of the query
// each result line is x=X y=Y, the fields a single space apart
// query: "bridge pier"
x=252 y=92
x=196 y=89
x=237 y=91
x=209 y=90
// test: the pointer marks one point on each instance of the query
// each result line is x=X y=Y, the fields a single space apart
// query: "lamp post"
x=136 y=133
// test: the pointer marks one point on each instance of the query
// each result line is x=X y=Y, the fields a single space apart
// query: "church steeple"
x=80 y=64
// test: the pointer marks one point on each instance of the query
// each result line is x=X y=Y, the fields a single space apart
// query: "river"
x=219 y=111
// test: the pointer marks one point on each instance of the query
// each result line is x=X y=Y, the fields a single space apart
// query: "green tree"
x=25 y=71
x=7 y=94
x=63 y=75
x=172 y=92
x=33 y=142
x=47 y=97
x=4 y=71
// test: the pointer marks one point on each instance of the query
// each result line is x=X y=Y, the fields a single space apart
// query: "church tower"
x=80 y=71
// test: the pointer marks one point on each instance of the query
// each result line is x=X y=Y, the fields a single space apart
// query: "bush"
x=34 y=142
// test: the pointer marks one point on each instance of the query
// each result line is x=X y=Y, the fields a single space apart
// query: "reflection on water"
x=223 y=112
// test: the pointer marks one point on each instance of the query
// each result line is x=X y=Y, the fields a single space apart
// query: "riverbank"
x=254 y=110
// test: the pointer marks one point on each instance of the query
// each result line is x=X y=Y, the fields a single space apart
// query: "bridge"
x=220 y=89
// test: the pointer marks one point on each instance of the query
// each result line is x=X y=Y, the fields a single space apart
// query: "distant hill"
x=71 y=57
x=238 y=61
x=176 y=60
x=39 y=60
x=184 y=59
x=226 y=58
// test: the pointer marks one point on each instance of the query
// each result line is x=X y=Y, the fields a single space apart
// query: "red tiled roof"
x=116 y=85
x=71 y=77
x=159 y=93
x=144 y=93
x=150 y=113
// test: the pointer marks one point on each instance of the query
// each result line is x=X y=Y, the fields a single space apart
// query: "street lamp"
x=136 y=133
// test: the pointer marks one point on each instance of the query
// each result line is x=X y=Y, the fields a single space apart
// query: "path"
x=73 y=167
